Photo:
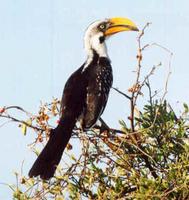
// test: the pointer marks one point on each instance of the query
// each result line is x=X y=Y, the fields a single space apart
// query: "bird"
x=85 y=93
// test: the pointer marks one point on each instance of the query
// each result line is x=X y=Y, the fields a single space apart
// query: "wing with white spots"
x=100 y=82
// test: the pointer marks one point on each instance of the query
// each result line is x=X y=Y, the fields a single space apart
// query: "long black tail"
x=46 y=163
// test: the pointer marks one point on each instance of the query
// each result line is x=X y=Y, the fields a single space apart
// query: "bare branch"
x=122 y=93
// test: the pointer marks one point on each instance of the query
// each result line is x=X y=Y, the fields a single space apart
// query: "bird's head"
x=100 y=30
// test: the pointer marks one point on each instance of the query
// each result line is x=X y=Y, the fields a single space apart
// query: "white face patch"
x=92 y=42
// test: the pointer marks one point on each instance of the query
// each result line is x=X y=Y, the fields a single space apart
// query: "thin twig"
x=122 y=93
x=22 y=122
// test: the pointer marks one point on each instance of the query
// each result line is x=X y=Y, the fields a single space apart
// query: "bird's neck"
x=93 y=57
x=100 y=49
x=94 y=49
x=95 y=43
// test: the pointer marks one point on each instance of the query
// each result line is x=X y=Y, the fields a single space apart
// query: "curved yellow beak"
x=119 y=24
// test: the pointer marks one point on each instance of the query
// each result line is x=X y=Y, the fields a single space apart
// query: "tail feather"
x=46 y=163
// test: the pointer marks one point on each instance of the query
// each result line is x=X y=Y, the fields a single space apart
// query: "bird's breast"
x=104 y=79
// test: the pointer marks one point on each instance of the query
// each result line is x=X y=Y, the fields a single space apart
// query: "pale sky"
x=41 y=44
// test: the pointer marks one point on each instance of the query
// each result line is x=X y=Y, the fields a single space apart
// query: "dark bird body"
x=84 y=98
x=91 y=88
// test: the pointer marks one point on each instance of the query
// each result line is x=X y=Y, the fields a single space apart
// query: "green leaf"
x=24 y=126
x=186 y=108
x=24 y=129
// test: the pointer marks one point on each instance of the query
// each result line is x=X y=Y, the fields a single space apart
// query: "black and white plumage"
x=85 y=93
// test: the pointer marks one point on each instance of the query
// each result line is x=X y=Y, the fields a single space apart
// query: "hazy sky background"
x=41 y=44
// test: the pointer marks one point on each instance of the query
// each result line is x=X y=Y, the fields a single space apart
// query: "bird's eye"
x=102 y=26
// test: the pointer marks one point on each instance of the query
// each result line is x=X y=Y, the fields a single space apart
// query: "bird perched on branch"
x=85 y=93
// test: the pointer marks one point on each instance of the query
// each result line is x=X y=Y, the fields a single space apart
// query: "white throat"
x=92 y=43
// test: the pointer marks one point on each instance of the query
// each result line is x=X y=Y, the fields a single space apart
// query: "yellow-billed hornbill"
x=85 y=94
